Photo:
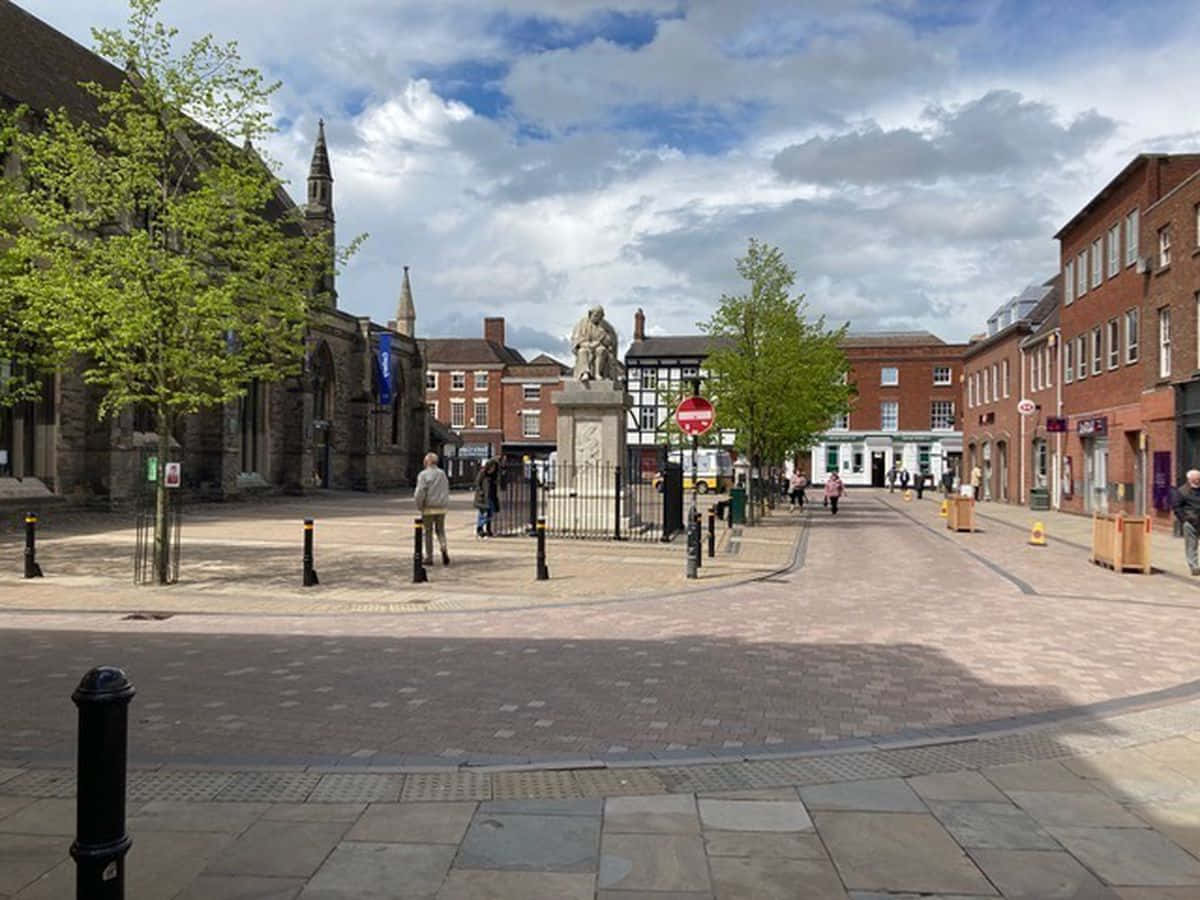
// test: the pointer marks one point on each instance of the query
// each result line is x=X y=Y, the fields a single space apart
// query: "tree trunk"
x=162 y=546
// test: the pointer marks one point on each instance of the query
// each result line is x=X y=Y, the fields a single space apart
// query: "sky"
x=912 y=159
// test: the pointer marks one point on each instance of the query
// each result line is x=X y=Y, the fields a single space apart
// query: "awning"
x=878 y=440
x=951 y=444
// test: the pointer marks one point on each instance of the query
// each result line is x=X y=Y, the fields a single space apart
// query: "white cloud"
x=927 y=165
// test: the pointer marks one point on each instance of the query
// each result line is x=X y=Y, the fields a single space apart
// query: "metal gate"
x=596 y=501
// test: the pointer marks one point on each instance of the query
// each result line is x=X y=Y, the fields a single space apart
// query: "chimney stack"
x=493 y=330
x=639 y=325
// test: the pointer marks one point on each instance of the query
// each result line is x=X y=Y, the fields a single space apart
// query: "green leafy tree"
x=150 y=246
x=776 y=377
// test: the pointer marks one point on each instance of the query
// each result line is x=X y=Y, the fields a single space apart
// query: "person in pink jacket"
x=833 y=491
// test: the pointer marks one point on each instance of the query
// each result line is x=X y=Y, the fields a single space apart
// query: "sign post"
x=694 y=416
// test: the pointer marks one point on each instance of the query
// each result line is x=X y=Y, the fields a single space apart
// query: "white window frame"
x=458 y=381
x=941 y=411
x=1048 y=381
x=651 y=413
x=433 y=409
x=1114 y=343
x=1081 y=348
x=1081 y=273
x=1164 y=342
x=995 y=381
x=649 y=379
x=883 y=376
x=1069 y=282
x=458 y=413
x=1132 y=335
x=841 y=423
x=1097 y=262
x=481 y=381
x=431 y=381
x=1164 y=246
x=971 y=391
x=479 y=403
x=1131 y=237
x=1035 y=373
x=1097 y=350
x=949 y=375
x=531 y=415
x=1004 y=376
x=894 y=406
x=526 y=390
x=1114 y=249
x=1068 y=362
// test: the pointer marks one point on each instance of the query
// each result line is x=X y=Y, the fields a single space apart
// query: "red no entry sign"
x=694 y=415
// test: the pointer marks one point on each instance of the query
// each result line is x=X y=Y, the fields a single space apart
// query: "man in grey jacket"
x=1187 y=510
x=432 y=497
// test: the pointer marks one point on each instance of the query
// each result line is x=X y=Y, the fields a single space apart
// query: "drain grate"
x=144 y=616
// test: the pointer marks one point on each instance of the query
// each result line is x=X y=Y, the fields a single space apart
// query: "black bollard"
x=543 y=571
x=101 y=841
x=533 y=497
x=692 y=568
x=712 y=533
x=419 y=574
x=32 y=569
x=699 y=539
x=310 y=574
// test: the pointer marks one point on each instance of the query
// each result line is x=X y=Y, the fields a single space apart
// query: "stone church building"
x=326 y=428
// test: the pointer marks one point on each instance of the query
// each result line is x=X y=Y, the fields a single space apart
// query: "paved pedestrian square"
x=864 y=707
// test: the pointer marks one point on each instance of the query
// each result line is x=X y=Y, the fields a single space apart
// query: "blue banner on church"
x=385 y=369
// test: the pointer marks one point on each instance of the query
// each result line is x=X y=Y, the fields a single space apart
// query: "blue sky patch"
x=691 y=128
x=477 y=83
x=537 y=34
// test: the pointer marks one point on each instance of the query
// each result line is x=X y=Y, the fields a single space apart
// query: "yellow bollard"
x=1037 y=537
x=944 y=512
x=908 y=496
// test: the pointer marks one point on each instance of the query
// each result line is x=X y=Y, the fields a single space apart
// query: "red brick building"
x=486 y=393
x=906 y=412
x=1170 y=248
x=530 y=419
x=1118 y=415
x=996 y=376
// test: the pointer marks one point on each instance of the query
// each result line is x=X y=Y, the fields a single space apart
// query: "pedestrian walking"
x=833 y=491
x=903 y=479
x=432 y=497
x=948 y=481
x=487 y=497
x=976 y=480
x=1187 y=511
x=891 y=479
x=921 y=476
x=799 y=485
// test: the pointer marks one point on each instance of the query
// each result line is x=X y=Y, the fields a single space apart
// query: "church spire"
x=406 y=312
x=318 y=212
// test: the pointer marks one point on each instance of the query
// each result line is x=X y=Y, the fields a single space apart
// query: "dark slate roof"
x=467 y=351
x=538 y=366
x=43 y=68
x=890 y=338
x=1044 y=316
x=1027 y=324
x=679 y=345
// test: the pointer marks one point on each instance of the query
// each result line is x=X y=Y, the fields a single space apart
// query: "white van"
x=714 y=469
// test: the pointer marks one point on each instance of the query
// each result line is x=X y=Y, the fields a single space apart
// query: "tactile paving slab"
x=269 y=787
x=923 y=760
x=545 y=785
x=42 y=783
x=447 y=786
x=179 y=786
x=357 y=787
x=698 y=779
x=618 y=782
x=853 y=767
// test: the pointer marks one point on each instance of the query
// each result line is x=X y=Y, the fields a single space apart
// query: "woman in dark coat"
x=487 y=497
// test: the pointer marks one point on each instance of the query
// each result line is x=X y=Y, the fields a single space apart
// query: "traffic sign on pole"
x=1026 y=407
x=694 y=415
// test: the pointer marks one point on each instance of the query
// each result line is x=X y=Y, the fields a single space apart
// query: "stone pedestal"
x=591 y=445
x=591 y=423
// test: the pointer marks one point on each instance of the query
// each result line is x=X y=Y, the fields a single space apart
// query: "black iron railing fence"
x=596 y=500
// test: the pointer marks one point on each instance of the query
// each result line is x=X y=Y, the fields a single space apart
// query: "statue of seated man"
x=595 y=343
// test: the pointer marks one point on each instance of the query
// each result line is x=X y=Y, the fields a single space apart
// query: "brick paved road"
x=889 y=625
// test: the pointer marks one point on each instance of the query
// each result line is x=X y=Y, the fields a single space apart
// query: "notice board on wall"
x=1162 y=479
